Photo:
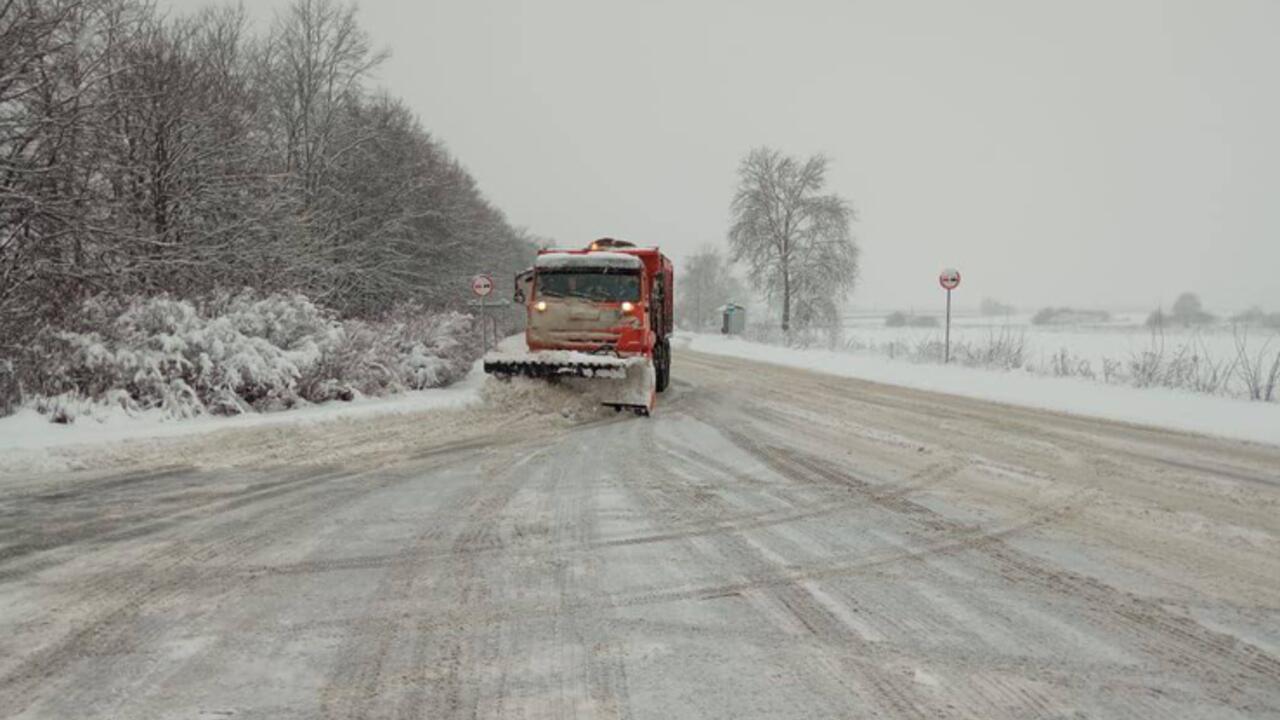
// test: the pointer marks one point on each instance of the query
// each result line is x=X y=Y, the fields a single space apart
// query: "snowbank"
x=1159 y=407
x=27 y=438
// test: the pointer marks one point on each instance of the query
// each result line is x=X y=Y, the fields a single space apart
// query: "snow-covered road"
x=773 y=543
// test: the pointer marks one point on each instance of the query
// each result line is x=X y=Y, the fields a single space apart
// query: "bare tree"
x=319 y=58
x=53 y=72
x=706 y=284
x=795 y=240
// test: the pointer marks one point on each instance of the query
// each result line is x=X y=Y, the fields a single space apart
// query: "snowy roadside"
x=1159 y=407
x=29 y=442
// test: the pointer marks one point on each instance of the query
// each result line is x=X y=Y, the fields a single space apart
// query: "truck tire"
x=662 y=365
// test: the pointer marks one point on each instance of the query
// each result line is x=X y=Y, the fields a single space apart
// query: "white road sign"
x=482 y=285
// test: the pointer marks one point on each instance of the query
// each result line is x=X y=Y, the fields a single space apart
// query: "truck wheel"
x=662 y=365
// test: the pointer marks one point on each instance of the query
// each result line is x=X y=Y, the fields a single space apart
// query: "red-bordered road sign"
x=482 y=285
x=949 y=279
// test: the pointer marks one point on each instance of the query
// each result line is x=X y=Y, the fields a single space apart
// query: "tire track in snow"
x=166 y=576
x=788 y=605
x=1177 y=642
x=386 y=656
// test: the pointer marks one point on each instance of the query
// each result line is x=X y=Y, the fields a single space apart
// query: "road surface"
x=772 y=544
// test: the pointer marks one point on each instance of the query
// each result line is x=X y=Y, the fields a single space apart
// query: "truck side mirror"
x=524 y=285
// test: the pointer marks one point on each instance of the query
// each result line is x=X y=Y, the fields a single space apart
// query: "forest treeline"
x=145 y=154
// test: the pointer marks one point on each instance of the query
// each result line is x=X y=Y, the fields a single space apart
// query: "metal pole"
x=493 y=329
x=947 y=356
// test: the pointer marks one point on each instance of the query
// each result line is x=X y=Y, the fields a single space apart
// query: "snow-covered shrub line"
x=234 y=353
x=1004 y=350
x=1251 y=372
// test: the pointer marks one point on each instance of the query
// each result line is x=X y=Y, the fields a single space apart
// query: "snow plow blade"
x=558 y=365
x=621 y=383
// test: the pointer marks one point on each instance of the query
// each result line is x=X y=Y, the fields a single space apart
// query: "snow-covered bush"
x=1257 y=318
x=1066 y=364
x=411 y=348
x=1069 y=316
x=174 y=355
x=901 y=319
x=896 y=319
x=1188 y=365
x=1005 y=350
x=237 y=352
x=1258 y=370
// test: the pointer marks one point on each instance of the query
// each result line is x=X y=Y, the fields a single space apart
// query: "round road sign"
x=949 y=279
x=482 y=285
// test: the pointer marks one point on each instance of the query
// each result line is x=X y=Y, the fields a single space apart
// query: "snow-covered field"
x=1121 y=339
x=1159 y=407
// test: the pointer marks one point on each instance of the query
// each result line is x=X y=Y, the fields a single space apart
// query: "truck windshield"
x=597 y=285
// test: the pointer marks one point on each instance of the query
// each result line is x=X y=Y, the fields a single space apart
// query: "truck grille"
x=596 y=337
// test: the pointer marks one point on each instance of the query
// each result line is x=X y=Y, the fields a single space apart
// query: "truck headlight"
x=628 y=307
x=540 y=306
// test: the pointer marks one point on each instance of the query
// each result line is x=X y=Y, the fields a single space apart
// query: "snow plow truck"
x=603 y=314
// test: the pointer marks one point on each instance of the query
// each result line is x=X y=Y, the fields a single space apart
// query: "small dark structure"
x=734 y=319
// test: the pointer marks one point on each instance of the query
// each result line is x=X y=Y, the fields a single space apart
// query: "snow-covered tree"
x=1188 y=310
x=795 y=240
x=143 y=154
x=704 y=285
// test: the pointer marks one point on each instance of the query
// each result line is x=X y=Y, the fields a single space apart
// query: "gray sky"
x=1103 y=153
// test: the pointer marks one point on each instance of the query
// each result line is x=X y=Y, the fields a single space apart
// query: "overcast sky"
x=1100 y=153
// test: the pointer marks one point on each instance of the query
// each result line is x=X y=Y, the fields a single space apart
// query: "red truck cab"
x=610 y=298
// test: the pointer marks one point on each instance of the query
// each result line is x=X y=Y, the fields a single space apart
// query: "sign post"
x=949 y=279
x=482 y=286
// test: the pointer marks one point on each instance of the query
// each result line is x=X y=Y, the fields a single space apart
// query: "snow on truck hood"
x=556 y=260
